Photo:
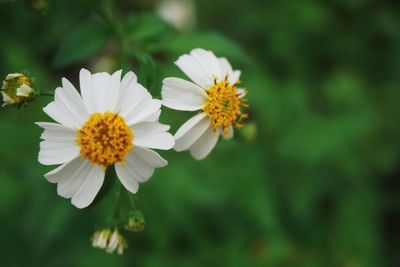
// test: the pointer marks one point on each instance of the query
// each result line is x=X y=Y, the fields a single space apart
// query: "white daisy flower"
x=214 y=91
x=113 y=122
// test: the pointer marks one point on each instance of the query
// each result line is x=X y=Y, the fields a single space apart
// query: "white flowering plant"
x=105 y=125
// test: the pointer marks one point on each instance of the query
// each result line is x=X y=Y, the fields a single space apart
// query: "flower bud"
x=17 y=90
x=135 y=222
x=109 y=241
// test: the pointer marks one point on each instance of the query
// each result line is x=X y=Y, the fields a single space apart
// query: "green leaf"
x=82 y=43
x=213 y=41
x=147 y=69
x=146 y=27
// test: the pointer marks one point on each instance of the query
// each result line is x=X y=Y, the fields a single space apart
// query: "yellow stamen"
x=105 y=139
x=223 y=105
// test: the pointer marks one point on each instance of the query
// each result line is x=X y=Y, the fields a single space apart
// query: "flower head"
x=17 y=89
x=135 y=222
x=109 y=240
x=112 y=122
x=214 y=92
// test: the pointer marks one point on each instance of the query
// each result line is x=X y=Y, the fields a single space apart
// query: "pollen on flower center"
x=105 y=139
x=223 y=105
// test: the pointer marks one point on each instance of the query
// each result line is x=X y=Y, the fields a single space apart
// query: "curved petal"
x=132 y=100
x=190 y=131
x=201 y=66
x=229 y=134
x=138 y=168
x=146 y=128
x=234 y=77
x=129 y=79
x=208 y=62
x=85 y=81
x=89 y=188
x=182 y=95
x=151 y=157
x=203 y=146
x=57 y=152
x=105 y=91
x=143 y=111
x=126 y=174
x=58 y=112
x=56 y=132
x=155 y=140
x=226 y=68
x=73 y=176
x=153 y=117
x=71 y=98
x=78 y=179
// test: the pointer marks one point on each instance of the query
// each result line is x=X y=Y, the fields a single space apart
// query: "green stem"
x=132 y=199
x=46 y=94
x=117 y=204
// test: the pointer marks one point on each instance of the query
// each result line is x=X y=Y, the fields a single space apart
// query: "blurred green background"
x=312 y=180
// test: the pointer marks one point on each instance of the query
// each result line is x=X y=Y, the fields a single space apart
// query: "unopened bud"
x=17 y=89
x=135 y=222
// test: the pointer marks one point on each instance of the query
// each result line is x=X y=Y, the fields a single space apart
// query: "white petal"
x=190 y=131
x=73 y=176
x=72 y=101
x=59 y=112
x=56 y=132
x=134 y=170
x=189 y=124
x=241 y=92
x=143 y=111
x=128 y=80
x=182 y=95
x=126 y=175
x=226 y=68
x=200 y=66
x=146 y=128
x=130 y=98
x=157 y=140
x=24 y=90
x=151 y=157
x=57 y=152
x=204 y=144
x=56 y=175
x=105 y=90
x=234 y=77
x=78 y=179
x=208 y=62
x=89 y=188
x=85 y=81
x=153 y=117
x=229 y=134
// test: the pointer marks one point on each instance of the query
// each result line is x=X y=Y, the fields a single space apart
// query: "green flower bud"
x=135 y=222
x=17 y=89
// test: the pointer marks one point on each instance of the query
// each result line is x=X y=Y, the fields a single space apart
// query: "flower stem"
x=132 y=199
x=117 y=205
x=46 y=94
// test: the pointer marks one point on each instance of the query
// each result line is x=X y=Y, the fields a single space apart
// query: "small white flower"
x=114 y=122
x=214 y=92
x=109 y=241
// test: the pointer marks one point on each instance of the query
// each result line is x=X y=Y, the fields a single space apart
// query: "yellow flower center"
x=105 y=139
x=223 y=106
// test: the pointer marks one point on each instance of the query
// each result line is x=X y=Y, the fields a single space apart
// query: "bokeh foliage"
x=313 y=180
